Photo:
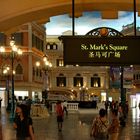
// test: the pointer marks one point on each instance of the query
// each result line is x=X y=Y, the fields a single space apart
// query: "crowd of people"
x=106 y=126
x=102 y=129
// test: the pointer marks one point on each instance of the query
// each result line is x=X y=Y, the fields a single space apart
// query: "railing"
x=18 y=77
x=57 y=97
x=38 y=79
x=71 y=107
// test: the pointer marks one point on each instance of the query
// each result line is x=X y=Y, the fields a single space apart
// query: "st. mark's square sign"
x=103 y=51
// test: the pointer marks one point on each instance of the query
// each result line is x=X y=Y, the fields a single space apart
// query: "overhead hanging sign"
x=89 y=50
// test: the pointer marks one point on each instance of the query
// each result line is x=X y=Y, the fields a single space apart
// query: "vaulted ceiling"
x=14 y=13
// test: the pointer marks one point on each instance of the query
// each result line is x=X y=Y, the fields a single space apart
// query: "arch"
x=104 y=31
x=78 y=75
x=19 y=69
x=21 y=12
x=61 y=75
x=95 y=75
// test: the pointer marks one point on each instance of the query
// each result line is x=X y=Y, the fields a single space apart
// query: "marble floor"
x=76 y=126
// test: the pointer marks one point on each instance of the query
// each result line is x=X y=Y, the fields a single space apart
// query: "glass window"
x=78 y=81
x=60 y=62
x=61 y=81
x=37 y=42
x=2 y=39
x=54 y=46
x=33 y=71
x=95 y=82
x=48 y=46
x=18 y=38
x=51 y=46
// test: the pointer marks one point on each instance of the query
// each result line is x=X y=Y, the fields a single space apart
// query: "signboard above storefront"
x=89 y=50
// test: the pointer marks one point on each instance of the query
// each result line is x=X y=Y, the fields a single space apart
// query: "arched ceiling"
x=17 y=12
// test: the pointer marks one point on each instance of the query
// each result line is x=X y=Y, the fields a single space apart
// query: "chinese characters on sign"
x=104 y=50
x=118 y=51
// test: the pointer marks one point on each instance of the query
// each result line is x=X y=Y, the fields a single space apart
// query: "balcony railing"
x=38 y=79
x=18 y=77
x=71 y=107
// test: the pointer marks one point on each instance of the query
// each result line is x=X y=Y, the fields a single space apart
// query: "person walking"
x=99 y=129
x=23 y=124
x=106 y=106
x=114 y=126
x=0 y=101
x=65 y=105
x=60 y=114
x=29 y=103
x=139 y=107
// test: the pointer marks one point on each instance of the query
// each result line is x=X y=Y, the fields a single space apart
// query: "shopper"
x=65 y=105
x=99 y=129
x=23 y=124
x=114 y=126
x=106 y=106
x=60 y=114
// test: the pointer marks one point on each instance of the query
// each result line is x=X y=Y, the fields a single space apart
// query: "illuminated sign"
x=89 y=50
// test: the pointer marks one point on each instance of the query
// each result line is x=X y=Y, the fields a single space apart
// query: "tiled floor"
x=75 y=127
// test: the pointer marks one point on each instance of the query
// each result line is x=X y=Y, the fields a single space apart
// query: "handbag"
x=94 y=130
x=105 y=127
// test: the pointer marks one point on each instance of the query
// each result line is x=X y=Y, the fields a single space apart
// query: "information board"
x=89 y=50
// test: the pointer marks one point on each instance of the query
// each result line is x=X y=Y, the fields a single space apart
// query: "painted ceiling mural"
x=87 y=22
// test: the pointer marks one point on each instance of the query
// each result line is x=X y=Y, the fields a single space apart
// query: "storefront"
x=134 y=100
